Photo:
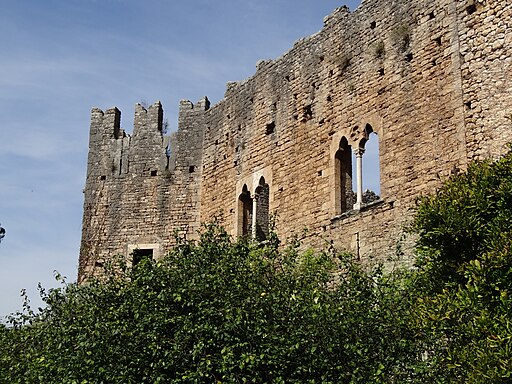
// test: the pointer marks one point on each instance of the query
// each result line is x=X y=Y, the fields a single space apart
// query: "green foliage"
x=236 y=312
x=216 y=311
x=464 y=276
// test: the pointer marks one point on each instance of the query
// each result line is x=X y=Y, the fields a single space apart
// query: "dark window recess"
x=141 y=254
x=154 y=172
x=471 y=9
x=408 y=57
x=103 y=177
x=262 y=212
x=329 y=99
x=191 y=169
x=245 y=204
x=381 y=72
x=271 y=127
x=343 y=177
x=438 y=40
x=431 y=15
x=98 y=264
x=468 y=104
x=373 y=24
x=307 y=112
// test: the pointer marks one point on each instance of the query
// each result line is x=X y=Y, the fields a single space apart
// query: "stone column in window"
x=359 y=175
x=254 y=215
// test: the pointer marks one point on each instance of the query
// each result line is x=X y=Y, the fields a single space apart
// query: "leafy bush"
x=218 y=311
x=234 y=312
x=464 y=276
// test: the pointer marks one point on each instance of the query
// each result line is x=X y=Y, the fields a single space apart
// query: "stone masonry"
x=430 y=80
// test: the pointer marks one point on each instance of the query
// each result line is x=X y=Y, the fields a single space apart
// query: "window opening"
x=344 y=195
x=270 y=128
x=244 y=212
x=141 y=254
x=307 y=112
x=168 y=155
x=368 y=179
x=262 y=210
x=471 y=9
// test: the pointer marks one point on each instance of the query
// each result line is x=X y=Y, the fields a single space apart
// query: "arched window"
x=343 y=177
x=245 y=213
x=262 y=210
x=371 y=174
x=368 y=182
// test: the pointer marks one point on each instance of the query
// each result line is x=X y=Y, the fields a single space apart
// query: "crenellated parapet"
x=114 y=154
x=142 y=187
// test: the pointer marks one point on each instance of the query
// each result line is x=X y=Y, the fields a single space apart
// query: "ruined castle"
x=430 y=81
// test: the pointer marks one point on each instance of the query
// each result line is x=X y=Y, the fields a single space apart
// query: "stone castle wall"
x=140 y=189
x=429 y=80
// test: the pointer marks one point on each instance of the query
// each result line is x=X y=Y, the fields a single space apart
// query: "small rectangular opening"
x=141 y=254
x=270 y=128
x=154 y=173
x=307 y=112
x=191 y=169
x=471 y=9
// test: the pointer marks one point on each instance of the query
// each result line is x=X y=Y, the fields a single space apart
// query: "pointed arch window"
x=344 y=196
x=245 y=203
x=262 y=210
x=368 y=182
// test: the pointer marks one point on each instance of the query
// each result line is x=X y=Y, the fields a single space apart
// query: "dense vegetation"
x=234 y=312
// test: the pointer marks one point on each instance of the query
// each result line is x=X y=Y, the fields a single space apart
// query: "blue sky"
x=60 y=58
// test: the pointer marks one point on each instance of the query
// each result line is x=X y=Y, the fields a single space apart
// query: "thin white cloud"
x=60 y=58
